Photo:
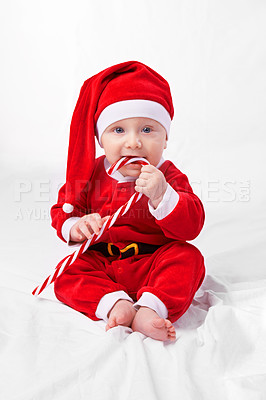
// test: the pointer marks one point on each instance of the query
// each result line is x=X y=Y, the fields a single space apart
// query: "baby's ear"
x=165 y=144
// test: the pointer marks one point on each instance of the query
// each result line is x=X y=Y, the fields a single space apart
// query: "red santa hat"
x=126 y=90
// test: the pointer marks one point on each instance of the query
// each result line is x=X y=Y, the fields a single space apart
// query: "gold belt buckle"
x=129 y=246
x=109 y=249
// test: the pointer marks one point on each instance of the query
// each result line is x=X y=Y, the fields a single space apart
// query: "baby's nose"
x=133 y=140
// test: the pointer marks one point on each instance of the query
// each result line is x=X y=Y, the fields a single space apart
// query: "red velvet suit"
x=173 y=273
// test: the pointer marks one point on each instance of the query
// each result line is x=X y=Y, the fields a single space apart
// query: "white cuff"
x=66 y=227
x=166 y=206
x=107 y=302
x=148 y=299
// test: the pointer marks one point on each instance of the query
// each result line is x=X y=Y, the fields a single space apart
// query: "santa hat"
x=126 y=90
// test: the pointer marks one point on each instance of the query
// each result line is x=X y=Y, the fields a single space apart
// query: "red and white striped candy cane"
x=68 y=260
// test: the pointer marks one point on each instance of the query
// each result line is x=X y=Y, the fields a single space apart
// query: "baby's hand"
x=86 y=226
x=152 y=183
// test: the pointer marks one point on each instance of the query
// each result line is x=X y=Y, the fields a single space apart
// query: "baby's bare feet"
x=150 y=324
x=122 y=313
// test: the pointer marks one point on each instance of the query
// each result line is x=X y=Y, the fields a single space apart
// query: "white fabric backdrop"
x=213 y=55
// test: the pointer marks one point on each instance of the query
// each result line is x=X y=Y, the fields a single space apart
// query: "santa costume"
x=144 y=257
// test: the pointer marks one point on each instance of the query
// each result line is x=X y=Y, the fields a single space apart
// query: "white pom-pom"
x=68 y=208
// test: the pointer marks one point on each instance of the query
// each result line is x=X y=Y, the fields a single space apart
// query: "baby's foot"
x=150 y=324
x=122 y=313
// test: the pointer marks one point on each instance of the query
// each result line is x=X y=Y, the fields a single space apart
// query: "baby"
x=141 y=273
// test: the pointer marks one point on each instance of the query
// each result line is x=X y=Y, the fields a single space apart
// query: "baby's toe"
x=170 y=337
x=168 y=323
x=111 y=323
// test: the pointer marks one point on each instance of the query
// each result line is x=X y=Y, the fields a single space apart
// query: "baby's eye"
x=119 y=130
x=146 y=129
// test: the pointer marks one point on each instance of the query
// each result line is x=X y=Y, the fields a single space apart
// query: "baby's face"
x=138 y=137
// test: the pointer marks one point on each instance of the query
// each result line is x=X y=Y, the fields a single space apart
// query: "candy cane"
x=68 y=260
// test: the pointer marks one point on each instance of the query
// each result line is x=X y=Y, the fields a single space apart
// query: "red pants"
x=173 y=273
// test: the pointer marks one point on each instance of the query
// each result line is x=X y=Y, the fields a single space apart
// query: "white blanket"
x=49 y=351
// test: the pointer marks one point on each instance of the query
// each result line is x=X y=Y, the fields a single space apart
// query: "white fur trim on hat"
x=132 y=108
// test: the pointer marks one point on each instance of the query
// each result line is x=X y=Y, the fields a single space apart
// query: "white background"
x=213 y=55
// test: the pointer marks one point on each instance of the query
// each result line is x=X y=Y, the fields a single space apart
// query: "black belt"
x=132 y=249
